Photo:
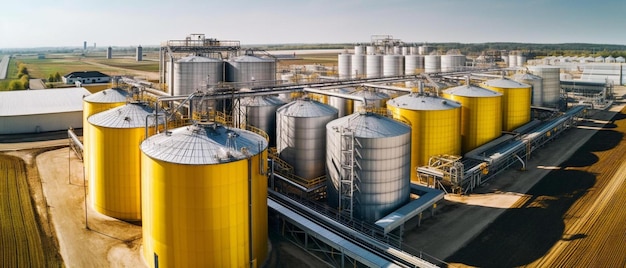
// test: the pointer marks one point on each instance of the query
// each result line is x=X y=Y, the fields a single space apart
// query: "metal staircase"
x=349 y=178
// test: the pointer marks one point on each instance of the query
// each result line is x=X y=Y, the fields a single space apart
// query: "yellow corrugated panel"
x=433 y=132
x=481 y=120
x=515 y=106
x=197 y=215
x=115 y=181
x=89 y=109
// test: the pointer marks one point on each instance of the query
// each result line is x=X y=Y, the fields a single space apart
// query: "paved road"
x=4 y=66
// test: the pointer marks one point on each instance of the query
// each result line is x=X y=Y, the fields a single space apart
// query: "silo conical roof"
x=415 y=101
x=505 y=83
x=370 y=125
x=306 y=108
x=472 y=91
x=131 y=115
x=203 y=144
x=109 y=95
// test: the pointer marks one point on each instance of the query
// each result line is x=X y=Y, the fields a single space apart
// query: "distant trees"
x=54 y=77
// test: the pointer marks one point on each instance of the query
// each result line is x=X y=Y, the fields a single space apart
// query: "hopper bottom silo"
x=197 y=215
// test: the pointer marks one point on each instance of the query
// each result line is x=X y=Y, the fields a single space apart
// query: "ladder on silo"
x=348 y=177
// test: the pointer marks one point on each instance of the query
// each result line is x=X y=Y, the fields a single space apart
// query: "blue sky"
x=43 y=23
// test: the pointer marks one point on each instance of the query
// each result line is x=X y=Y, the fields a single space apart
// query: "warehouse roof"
x=85 y=74
x=44 y=101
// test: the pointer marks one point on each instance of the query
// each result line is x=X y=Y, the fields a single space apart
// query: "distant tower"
x=139 y=53
x=85 y=45
x=94 y=45
x=109 y=52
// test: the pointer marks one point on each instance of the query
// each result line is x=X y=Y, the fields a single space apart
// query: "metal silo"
x=259 y=112
x=451 y=63
x=358 y=49
x=413 y=64
x=109 y=52
x=301 y=132
x=93 y=104
x=357 y=66
x=521 y=60
x=435 y=126
x=194 y=72
x=344 y=66
x=376 y=150
x=114 y=174
x=373 y=66
x=536 y=83
x=370 y=50
x=481 y=114
x=515 y=101
x=512 y=60
x=551 y=83
x=414 y=50
x=405 y=51
x=204 y=197
x=425 y=50
x=374 y=99
x=393 y=65
x=343 y=106
x=432 y=63
x=251 y=71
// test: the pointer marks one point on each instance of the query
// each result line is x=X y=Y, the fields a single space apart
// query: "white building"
x=34 y=111
x=86 y=77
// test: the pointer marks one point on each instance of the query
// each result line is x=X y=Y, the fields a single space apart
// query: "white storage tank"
x=357 y=66
x=358 y=50
x=432 y=63
x=452 y=63
x=373 y=66
x=344 y=106
x=251 y=71
x=512 y=60
x=521 y=60
x=344 y=65
x=393 y=65
x=413 y=64
x=551 y=83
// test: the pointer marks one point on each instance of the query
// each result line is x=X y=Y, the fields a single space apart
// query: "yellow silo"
x=516 y=99
x=199 y=207
x=93 y=104
x=435 y=126
x=115 y=178
x=481 y=114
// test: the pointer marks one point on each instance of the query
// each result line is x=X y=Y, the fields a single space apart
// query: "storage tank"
x=451 y=63
x=194 y=72
x=609 y=59
x=301 y=130
x=551 y=86
x=515 y=101
x=373 y=66
x=198 y=205
x=259 y=112
x=512 y=60
x=393 y=65
x=251 y=71
x=432 y=63
x=413 y=64
x=357 y=66
x=383 y=160
x=139 y=54
x=620 y=59
x=358 y=50
x=109 y=52
x=536 y=84
x=344 y=62
x=370 y=50
x=98 y=102
x=435 y=126
x=414 y=50
x=405 y=51
x=425 y=50
x=374 y=99
x=481 y=114
x=520 y=60
x=344 y=106
x=114 y=174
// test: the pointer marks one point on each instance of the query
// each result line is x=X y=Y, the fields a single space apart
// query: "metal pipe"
x=337 y=94
x=387 y=87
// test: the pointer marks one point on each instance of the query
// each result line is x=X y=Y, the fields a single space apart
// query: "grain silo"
x=93 y=104
x=374 y=99
x=551 y=83
x=194 y=73
x=413 y=64
x=515 y=101
x=373 y=65
x=481 y=114
x=251 y=71
x=204 y=198
x=376 y=150
x=432 y=63
x=536 y=83
x=344 y=106
x=435 y=126
x=452 y=62
x=357 y=66
x=344 y=65
x=114 y=156
x=259 y=112
x=301 y=133
x=393 y=65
